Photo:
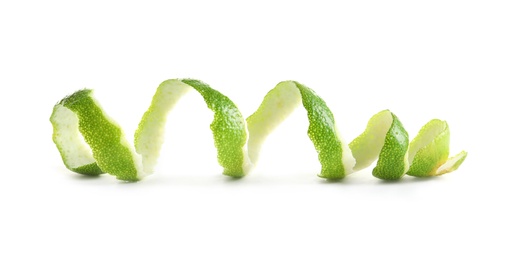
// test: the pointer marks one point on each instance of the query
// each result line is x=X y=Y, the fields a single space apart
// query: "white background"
x=451 y=60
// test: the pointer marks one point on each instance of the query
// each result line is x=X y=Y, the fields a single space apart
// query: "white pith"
x=426 y=137
x=151 y=135
x=348 y=158
x=275 y=108
x=372 y=140
x=448 y=165
x=271 y=113
x=73 y=147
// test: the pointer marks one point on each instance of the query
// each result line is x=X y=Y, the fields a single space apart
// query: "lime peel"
x=452 y=164
x=228 y=129
x=429 y=149
x=91 y=143
x=393 y=160
x=333 y=153
x=109 y=147
x=149 y=136
x=74 y=151
x=366 y=147
x=384 y=138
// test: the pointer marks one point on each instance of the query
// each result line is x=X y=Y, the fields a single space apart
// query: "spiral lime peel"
x=91 y=143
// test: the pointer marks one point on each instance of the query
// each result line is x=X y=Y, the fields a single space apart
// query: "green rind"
x=278 y=104
x=103 y=136
x=114 y=156
x=228 y=128
x=430 y=157
x=86 y=169
x=89 y=169
x=367 y=146
x=323 y=134
x=392 y=162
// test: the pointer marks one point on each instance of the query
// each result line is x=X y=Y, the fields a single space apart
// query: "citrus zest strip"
x=386 y=139
x=228 y=126
x=333 y=154
x=91 y=143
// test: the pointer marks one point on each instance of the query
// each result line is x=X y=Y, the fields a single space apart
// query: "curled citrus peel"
x=91 y=143
x=228 y=127
x=385 y=139
x=333 y=154
x=429 y=151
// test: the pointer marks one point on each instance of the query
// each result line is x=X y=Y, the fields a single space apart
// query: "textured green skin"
x=428 y=159
x=228 y=128
x=102 y=136
x=323 y=134
x=391 y=161
x=88 y=169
